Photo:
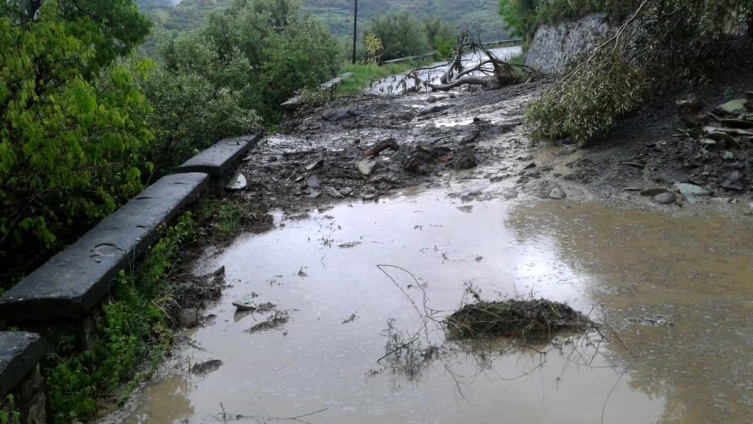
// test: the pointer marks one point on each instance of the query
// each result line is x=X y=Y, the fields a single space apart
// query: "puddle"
x=620 y=264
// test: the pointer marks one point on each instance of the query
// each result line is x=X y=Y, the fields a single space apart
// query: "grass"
x=364 y=75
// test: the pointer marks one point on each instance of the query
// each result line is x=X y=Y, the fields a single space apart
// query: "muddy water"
x=635 y=269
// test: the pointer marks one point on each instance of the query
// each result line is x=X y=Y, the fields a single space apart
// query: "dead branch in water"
x=500 y=74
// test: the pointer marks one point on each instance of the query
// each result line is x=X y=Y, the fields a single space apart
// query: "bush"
x=260 y=51
x=401 y=35
x=589 y=104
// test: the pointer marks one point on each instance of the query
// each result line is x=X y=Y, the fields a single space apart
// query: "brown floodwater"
x=677 y=290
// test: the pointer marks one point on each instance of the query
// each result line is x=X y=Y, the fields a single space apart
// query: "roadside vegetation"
x=656 y=46
x=85 y=123
x=365 y=75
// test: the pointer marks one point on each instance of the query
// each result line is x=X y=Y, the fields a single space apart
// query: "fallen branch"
x=390 y=143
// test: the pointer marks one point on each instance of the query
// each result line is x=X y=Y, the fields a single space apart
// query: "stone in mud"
x=654 y=191
x=728 y=156
x=557 y=194
x=314 y=195
x=433 y=109
x=317 y=164
x=188 y=318
x=207 y=366
x=335 y=115
x=665 y=198
x=346 y=191
x=313 y=181
x=366 y=167
x=469 y=138
x=734 y=106
x=464 y=159
x=332 y=192
x=369 y=196
x=691 y=190
x=732 y=181
x=238 y=182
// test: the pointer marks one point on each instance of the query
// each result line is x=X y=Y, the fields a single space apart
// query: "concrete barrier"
x=219 y=160
x=70 y=284
x=20 y=376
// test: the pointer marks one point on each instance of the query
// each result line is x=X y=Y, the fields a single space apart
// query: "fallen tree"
x=490 y=73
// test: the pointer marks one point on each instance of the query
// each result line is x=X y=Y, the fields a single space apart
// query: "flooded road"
x=676 y=290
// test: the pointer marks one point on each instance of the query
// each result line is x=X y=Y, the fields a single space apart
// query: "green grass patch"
x=364 y=75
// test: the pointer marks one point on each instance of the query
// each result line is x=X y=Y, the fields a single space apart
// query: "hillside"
x=479 y=16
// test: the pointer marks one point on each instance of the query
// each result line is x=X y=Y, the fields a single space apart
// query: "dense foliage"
x=401 y=35
x=662 y=45
x=72 y=120
x=257 y=52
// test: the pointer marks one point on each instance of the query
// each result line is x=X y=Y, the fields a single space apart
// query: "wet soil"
x=362 y=269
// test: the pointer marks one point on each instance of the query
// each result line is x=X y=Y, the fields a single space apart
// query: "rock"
x=464 y=159
x=246 y=303
x=338 y=114
x=346 y=191
x=237 y=182
x=524 y=158
x=665 y=198
x=530 y=165
x=366 y=167
x=188 y=318
x=734 y=106
x=206 y=367
x=728 y=156
x=557 y=194
x=433 y=109
x=707 y=142
x=313 y=181
x=432 y=99
x=732 y=181
x=691 y=104
x=469 y=138
x=654 y=191
x=317 y=164
x=332 y=192
x=691 y=190
x=370 y=196
x=314 y=194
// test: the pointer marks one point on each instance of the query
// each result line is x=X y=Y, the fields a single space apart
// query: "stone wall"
x=554 y=45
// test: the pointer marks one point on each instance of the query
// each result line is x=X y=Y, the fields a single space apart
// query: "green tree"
x=72 y=120
x=401 y=34
x=441 y=36
x=263 y=51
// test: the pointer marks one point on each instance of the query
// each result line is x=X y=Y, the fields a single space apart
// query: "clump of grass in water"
x=525 y=320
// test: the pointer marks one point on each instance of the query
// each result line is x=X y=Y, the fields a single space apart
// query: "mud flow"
x=356 y=283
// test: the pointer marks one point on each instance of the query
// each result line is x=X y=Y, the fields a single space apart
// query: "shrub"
x=588 y=104
x=401 y=35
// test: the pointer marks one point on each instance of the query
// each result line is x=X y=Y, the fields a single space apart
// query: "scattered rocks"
x=732 y=181
x=691 y=190
x=188 y=318
x=557 y=194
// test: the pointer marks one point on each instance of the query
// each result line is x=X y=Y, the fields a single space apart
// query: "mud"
x=362 y=269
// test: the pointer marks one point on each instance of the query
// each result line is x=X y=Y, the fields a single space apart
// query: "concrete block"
x=219 y=160
x=19 y=355
x=70 y=284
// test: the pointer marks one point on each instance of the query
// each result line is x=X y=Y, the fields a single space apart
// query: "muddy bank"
x=322 y=156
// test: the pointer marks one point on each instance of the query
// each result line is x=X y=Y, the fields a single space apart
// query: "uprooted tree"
x=489 y=72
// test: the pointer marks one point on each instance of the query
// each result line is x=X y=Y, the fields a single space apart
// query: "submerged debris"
x=526 y=320
x=206 y=367
x=274 y=322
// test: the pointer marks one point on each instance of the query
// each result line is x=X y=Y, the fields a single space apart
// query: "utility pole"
x=355 y=30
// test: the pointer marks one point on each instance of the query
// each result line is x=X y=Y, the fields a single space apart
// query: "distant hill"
x=478 y=16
